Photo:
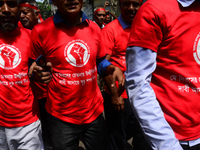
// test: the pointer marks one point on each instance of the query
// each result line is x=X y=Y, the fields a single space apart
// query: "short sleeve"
x=146 y=29
x=107 y=40
x=100 y=52
x=35 y=45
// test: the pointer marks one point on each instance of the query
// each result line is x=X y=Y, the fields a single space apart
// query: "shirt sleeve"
x=141 y=63
x=35 y=45
x=102 y=65
x=107 y=38
x=147 y=28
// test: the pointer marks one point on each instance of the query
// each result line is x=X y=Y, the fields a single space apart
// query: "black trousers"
x=186 y=147
x=45 y=125
x=121 y=126
x=66 y=136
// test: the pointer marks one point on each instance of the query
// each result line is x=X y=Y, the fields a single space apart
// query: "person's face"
x=69 y=8
x=100 y=17
x=9 y=15
x=129 y=8
x=107 y=19
x=28 y=17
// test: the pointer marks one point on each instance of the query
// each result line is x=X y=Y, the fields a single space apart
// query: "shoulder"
x=112 y=26
x=94 y=27
x=45 y=26
x=93 y=24
x=25 y=31
x=162 y=6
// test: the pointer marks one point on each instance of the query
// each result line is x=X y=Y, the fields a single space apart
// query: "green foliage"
x=45 y=9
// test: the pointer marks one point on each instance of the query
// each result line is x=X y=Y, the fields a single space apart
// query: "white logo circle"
x=10 y=56
x=196 y=49
x=77 y=53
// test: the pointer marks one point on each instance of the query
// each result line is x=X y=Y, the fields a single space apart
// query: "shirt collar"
x=58 y=18
x=102 y=26
x=185 y=3
x=123 y=23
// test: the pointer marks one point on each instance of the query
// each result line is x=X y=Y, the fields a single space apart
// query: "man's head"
x=107 y=19
x=68 y=8
x=9 y=15
x=99 y=15
x=129 y=8
x=29 y=13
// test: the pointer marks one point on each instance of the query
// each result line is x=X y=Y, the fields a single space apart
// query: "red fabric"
x=73 y=94
x=17 y=105
x=39 y=90
x=20 y=24
x=122 y=0
x=99 y=9
x=114 y=42
x=173 y=32
x=28 y=5
x=40 y=18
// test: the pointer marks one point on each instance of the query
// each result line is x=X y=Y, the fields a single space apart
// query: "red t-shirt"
x=73 y=94
x=39 y=90
x=173 y=32
x=17 y=105
x=114 y=42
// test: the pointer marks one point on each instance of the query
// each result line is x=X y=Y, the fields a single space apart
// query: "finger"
x=31 y=69
x=46 y=81
x=30 y=72
x=120 y=79
x=120 y=89
x=123 y=81
x=44 y=78
x=49 y=67
x=117 y=108
x=113 y=81
x=37 y=68
x=122 y=107
x=45 y=73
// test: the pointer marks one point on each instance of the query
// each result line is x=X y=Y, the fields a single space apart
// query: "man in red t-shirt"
x=70 y=42
x=99 y=16
x=162 y=75
x=19 y=123
x=121 y=122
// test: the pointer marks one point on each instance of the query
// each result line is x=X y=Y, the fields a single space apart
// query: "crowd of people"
x=68 y=78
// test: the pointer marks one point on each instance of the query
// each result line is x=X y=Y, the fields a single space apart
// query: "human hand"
x=40 y=74
x=118 y=76
x=117 y=102
x=106 y=4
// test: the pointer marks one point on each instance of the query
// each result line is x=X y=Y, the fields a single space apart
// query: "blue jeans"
x=66 y=136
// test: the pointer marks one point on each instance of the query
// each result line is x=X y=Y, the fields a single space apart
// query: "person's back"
x=177 y=71
x=172 y=31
